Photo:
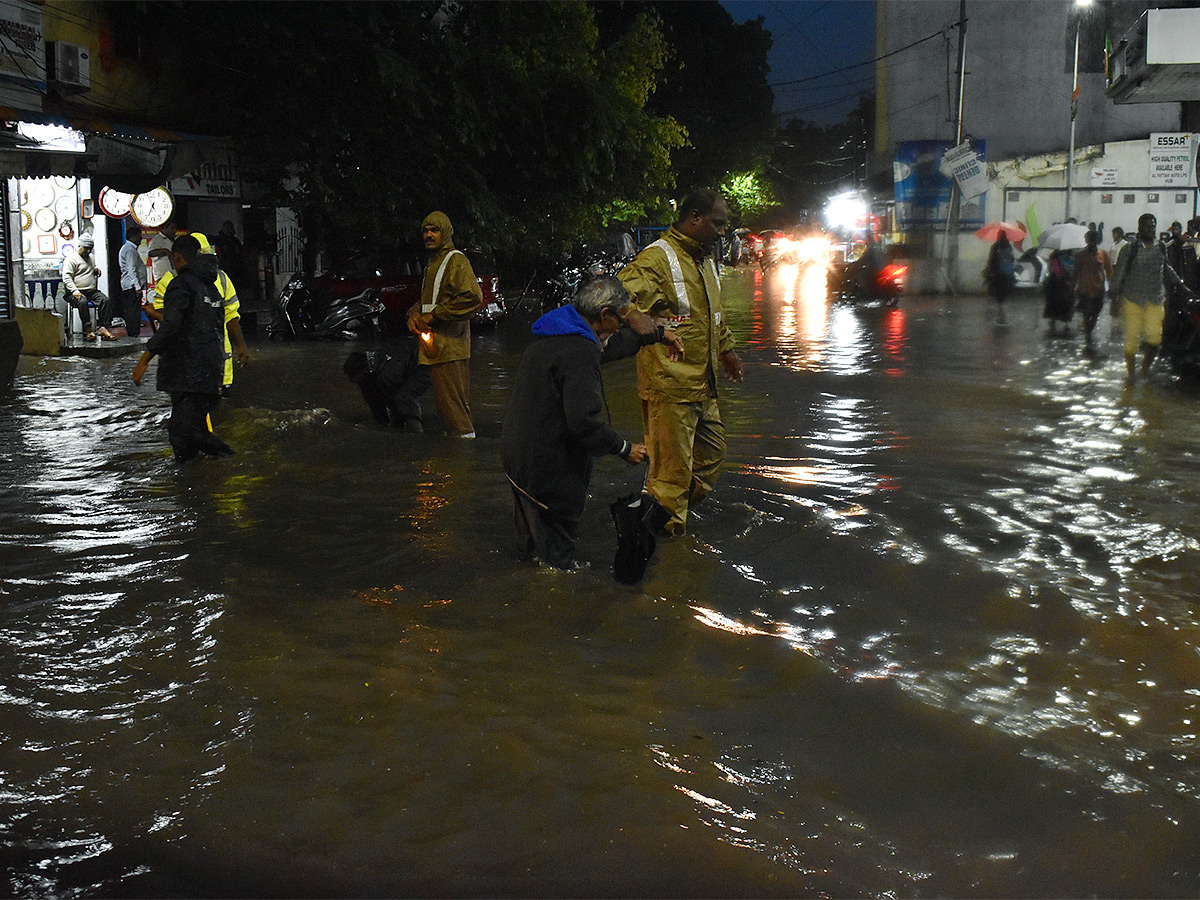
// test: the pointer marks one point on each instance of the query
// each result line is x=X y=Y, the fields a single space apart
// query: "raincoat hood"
x=442 y=221
x=204 y=265
x=564 y=320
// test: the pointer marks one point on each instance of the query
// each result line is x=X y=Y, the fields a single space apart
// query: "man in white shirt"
x=133 y=281
x=81 y=279
x=159 y=250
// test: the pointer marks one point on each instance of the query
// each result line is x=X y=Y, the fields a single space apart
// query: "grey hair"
x=604 y=291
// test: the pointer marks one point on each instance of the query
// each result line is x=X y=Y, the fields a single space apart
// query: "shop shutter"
x=6 y=305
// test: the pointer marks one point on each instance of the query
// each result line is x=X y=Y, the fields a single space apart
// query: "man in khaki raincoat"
x=675 y=282
x=442 y=321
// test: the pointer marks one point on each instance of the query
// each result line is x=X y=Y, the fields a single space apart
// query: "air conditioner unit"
x=68 y=66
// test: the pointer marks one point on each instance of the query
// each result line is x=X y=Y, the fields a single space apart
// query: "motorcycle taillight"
x=893 y=273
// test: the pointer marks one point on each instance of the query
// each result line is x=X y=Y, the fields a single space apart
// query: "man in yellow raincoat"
x=450 y=293
x=675 y=282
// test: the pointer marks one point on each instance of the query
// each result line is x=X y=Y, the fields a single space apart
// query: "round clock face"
x=153 y=208
x=115 y=204
x=64 y=207
x=41 y=193
x=45 y=219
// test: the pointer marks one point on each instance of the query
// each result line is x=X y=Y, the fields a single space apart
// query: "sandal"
x=90 y=336
x=107 y=335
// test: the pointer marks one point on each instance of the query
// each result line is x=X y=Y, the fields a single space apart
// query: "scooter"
x=885 y=286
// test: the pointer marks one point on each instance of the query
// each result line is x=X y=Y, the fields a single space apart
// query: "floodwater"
x=934 y=635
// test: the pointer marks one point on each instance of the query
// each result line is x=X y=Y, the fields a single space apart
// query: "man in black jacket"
x=391 y=382
x=557 y=421
x=191 y=343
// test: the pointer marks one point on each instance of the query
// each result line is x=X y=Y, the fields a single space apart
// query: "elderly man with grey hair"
x=557 y=418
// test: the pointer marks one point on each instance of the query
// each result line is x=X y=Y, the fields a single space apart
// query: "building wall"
x=1019 y=75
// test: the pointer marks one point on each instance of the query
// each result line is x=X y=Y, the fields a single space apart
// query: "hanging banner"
x=963 y=165
x=923 y=188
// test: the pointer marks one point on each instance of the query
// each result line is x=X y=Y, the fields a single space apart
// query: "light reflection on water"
x=933 y=635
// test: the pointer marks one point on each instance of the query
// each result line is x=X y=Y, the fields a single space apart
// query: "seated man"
x=81 y=277
x=391 y=383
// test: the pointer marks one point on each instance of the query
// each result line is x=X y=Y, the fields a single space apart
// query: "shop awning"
x=20 y=158
x=129 y=158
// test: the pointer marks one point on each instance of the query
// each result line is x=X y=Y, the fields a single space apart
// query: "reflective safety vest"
x=229 y=299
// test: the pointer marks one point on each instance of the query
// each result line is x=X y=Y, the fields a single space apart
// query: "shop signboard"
x=23 y=44
x=216 y=178
x=1171 y=163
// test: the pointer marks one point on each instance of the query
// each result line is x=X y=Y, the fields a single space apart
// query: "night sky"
x=815 y=38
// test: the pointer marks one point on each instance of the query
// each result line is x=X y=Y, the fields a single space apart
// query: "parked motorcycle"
x=300 y=314
x=1181 y=349
x=561 y=286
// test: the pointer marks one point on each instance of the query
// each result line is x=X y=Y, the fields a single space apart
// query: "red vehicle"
x=392 y=278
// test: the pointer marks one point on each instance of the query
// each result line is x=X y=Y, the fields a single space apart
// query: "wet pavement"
x=934 y=634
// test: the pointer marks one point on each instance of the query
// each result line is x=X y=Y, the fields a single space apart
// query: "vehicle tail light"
x=892 y=273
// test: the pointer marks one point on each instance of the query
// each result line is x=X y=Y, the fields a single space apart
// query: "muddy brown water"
x=934 y=635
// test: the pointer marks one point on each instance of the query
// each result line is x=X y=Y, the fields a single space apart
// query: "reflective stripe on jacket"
x=451 y=293
x=673 y=281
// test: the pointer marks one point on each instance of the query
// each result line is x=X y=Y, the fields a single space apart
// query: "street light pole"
x=1079 y=5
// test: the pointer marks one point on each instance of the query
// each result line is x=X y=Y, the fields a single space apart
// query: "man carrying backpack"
x=1139 y=290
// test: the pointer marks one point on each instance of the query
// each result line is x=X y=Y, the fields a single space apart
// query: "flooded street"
x=934 y=634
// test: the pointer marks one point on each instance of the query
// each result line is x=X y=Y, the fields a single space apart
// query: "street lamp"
x=1080 y=5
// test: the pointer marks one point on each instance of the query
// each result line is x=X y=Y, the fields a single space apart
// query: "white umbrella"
x=1064 y=236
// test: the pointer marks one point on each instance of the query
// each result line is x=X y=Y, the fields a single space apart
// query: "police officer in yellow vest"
x=233 y=321
x=450 y=293
x=675 y=281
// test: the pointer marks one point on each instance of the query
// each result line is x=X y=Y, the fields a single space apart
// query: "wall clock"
x=153 y=208
x=64 y=207
x=115 y=204
x=45 y=219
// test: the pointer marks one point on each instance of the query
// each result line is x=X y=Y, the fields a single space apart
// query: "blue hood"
x=564 y=320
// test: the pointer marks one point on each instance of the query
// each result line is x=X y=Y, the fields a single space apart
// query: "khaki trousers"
x=452 y=390
x=687 y=449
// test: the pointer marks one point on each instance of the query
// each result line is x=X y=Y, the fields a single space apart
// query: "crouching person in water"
x=556 y=420
x=190 y=344
x=391 y=382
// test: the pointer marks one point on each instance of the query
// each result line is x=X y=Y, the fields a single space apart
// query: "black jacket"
x=190 y=339
x=557 y=418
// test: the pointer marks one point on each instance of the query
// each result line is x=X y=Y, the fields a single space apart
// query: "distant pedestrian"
x=1092 y=272
x=133 y=281
x=1118 y=244
x=1000 y=271
x=1059 y=288
x=189 y=342
x=1139 y=290
x=450 y=294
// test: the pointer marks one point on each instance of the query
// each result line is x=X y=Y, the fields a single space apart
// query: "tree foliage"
x=518 y=120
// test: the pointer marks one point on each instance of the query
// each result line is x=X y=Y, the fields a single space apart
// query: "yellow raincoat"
x=672 y=281
x=451 y=293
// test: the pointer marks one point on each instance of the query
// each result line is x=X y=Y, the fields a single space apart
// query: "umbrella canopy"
x=989 y=232
x=1064 y=236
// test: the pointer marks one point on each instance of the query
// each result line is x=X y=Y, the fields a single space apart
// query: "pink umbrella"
x=1015 y=230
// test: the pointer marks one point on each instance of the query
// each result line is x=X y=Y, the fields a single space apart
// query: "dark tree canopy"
x=528 y=123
